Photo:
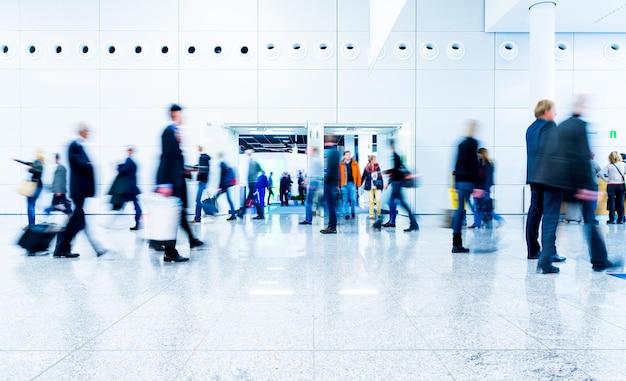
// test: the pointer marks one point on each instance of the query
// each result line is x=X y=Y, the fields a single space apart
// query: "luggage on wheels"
x=37 y=238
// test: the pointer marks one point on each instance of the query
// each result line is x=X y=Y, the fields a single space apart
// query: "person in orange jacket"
x=349 y=181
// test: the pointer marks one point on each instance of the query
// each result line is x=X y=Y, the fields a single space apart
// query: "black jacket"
x=82 y=179
x=203 y=168
x=466 y=168
x=172 y=166
x=564 y=157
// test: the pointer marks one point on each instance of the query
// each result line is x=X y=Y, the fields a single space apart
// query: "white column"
x=542 y=39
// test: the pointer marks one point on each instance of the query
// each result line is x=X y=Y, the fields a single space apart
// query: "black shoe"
x=231 y=218
x=195 y=243
x=460 y=249
x=412 y=227
x=472 y=226
x=610 y=222
x=66 y=254
x=353 y=215
x=101 y=252
x=378 y=224
x=347 y=217
x=136 y=227
x=329 y=230
x=535 y=256
x=305 y=223
x=239 y=215
x=389 y=225
x=557 y=258
x=549 y=270
x=157 y=247
x=174 y=258
x=609 y=265
x=258 y=218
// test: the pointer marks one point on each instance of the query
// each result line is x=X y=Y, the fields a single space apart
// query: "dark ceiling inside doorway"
x=275 y=143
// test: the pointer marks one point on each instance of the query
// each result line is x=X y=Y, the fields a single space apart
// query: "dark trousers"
x=595 y=242
x=75 y=224
x=251 y=197
x=552 y=199
x=284 y=197
x=535 y=212
x=330 y=195
x=396 y=196
x=615 y=193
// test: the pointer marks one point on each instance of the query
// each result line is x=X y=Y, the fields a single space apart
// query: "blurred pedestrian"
x=562 y=170
x=127 y=172
x=203 y=168
x=253 y=172
x=35 y=168
x=82 y=186
x=484 y=204
x=227 y=180
x=331 y=183
x=466 y=177
x=397 y=174
x=314 y=182
x=349 y=181
x=261 y=186
x=373 y=184
x=59 y=189
x=171 y=181
x=270 y=187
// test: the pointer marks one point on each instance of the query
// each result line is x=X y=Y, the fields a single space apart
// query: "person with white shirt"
x=613 y=175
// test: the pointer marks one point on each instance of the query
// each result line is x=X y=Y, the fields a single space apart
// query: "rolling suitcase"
x=37 y=238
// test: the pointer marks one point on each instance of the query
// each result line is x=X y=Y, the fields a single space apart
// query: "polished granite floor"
x=274 y=300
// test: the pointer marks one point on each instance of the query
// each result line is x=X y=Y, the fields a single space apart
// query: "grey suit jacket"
x=59 y=183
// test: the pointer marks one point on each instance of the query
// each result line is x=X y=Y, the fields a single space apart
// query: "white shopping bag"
x=161 y=216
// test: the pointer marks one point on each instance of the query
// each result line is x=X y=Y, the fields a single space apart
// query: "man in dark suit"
x=82 y=185
x=203 y=168
x=545 y=112
x=128 y=172
x=171 y=179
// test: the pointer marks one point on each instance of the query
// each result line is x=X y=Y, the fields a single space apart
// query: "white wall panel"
x=607 y=89
x=297 y=15
x=354 y=15
x=455 y=89
x=377 y=89
x=284 y=56
x=218 y=88
x=138 y=15
x=446 y=127
x=230 y=44
x=512 y=88
x=520 y=45
x=59 y=88
x=218 y=15
x=218 y=116
x=510 y=165
x=59 y=15
x=511 y=125
x=10 y=15
x=297 y=88
x=479 y=50
x=54 y=127
x=71 y=56
x=601 y=123
x=10 y=89
x=297 y=115
x=432 y=199
x=451 y=15
x=589 y=52
x=564 y=92
x=151 y=56
x=133 y=126
x=370 y=115
x=61 y=126
x=508 y=199
x=10 y=136
x=138 y=88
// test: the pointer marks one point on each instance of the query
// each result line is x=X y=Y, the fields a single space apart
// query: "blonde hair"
x=485 y=154
x=543 y=106
x=614 y=157
x=370 y=158
x=40 y=155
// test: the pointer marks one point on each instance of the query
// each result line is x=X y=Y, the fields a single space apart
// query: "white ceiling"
x=601 y=16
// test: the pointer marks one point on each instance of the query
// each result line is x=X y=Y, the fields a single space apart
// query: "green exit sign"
x=613 y=134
